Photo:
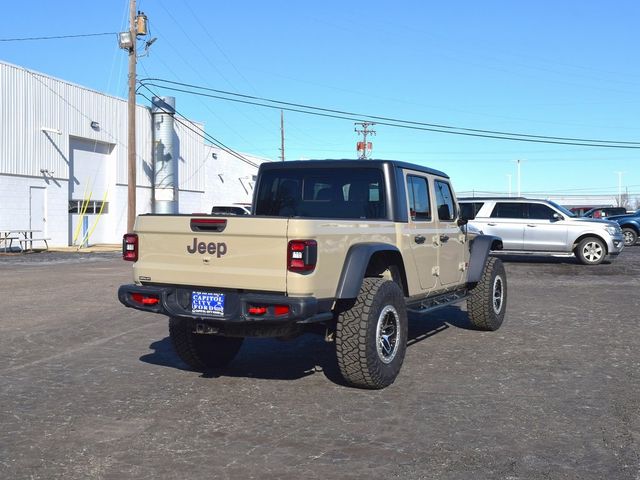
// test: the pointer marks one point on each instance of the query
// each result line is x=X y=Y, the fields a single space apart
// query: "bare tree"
x=624 y=200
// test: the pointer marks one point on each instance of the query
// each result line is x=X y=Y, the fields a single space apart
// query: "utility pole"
x=364 y=148
x=127 y=41
x=131 y=106
x=282 y=134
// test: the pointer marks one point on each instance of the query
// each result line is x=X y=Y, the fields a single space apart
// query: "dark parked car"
x=580 y=211
x=630 y=225
x=604 y=212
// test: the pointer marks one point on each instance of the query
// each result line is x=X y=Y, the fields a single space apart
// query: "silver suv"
x=543 y=227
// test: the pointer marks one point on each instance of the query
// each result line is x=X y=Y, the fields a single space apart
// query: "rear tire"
x=630 y=236
x=202 y=351
x=591 y=251
x=487 y=303
x=371 y=337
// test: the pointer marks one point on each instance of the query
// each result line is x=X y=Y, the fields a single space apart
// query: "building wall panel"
x=41 y=118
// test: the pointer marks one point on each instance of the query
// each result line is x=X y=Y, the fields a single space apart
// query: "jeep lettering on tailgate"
x=211 y=248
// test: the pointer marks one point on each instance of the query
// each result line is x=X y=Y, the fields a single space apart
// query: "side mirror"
x=466 y=212
x=556 y=216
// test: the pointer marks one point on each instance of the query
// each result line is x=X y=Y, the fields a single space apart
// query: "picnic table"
x=23 y=236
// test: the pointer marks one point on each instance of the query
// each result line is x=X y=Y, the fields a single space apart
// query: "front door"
x=37 y=209
x=451 y=240
x=543 y=231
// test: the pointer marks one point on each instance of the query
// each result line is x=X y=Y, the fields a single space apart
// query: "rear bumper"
x=175 y=301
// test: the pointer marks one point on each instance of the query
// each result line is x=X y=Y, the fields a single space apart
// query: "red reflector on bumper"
x=281 y=309
x=144 y=299
x=257 y=310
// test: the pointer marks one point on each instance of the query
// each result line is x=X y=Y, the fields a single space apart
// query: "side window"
x=508 y=210
x=470 y=209
x=538 y=211
x=444 y=200
x=419 y=205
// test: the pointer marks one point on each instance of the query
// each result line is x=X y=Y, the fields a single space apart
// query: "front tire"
x=591 y=251
x=487 y=302
x=202 y=351
x=371 y=337
x=630 y=236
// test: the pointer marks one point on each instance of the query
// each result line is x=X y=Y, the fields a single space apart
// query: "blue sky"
x=563 y=69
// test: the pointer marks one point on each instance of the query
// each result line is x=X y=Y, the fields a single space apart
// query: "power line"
x=198 y=72
x=409 y=127
x=25 y=39
x=205 y=135
x=389 y=121
x=202 y=134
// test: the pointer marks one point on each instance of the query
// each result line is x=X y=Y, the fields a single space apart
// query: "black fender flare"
x=355 y=267
x=481 y=246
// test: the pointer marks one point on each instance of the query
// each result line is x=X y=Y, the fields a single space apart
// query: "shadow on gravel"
x=273 y=359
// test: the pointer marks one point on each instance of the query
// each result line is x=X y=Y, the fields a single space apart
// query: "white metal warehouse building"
x=63 y=162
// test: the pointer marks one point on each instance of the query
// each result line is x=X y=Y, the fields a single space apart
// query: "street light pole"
x=619 y=188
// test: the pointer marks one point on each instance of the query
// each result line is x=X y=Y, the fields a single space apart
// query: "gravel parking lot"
x=90 y=389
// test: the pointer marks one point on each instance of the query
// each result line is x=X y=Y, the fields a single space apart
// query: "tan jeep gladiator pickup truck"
x=342 y=247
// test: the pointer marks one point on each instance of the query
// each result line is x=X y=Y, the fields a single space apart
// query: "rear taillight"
x=145 y=299
x=276 y=310
x=130 y=247
x=302 y=255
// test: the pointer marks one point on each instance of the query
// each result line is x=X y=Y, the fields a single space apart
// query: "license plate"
x=207 y=302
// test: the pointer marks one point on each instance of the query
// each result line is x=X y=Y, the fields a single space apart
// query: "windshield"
x=564 y=211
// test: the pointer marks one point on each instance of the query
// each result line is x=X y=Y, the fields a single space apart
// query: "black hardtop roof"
x=334 y=163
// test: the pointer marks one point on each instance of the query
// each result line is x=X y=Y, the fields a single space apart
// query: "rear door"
x=507 y=220
x=422 y=229
x=238 y=252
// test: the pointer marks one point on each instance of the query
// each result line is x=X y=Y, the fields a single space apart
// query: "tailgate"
x=238 y=252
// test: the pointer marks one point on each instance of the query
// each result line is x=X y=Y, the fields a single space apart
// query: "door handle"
x=492 y=224
x=444 y=238
x=419 y=239
x=529 y=225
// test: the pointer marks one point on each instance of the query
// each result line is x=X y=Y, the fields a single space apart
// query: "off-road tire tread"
x=479 y=303
x=202 y=352
x=351 y=338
